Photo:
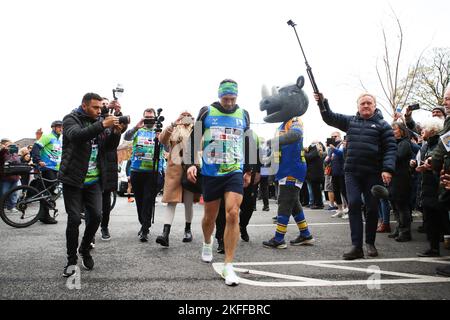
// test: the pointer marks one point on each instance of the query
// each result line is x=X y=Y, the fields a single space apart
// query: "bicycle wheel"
x=17 y=207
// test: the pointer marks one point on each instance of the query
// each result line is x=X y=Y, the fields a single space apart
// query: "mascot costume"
x=286 y=105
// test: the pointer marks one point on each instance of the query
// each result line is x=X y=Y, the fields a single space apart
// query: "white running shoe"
x=338 y=214
x=207 y=255
x=345 y=216
x=231 y=279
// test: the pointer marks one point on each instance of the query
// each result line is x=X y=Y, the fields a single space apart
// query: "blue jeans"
x=385 y=211
x=5 y=187
x=357 y=185
x=310 y=193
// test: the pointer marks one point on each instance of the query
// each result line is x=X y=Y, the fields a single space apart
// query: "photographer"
x=144 y=176
x=112 y=174
x=83 y=173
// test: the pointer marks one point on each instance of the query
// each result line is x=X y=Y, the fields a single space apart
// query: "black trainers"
x=143 y=236
x=87 y=262
x=105 y=234
x=302 y=241
x=69 y=269
x=221 y=247
x=265 y=208
x=272 y=243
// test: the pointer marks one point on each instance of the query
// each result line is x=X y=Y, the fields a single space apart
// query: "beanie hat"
x=228 y=87
x=440 y=108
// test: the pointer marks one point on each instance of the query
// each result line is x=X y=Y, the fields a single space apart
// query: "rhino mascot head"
x=284 y=103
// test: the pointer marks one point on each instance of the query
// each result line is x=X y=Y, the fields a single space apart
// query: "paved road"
x=32 y=260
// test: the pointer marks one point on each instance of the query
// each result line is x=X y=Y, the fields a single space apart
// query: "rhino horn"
x=265 y=92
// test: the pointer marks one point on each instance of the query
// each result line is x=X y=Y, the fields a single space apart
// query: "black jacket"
x=79 y=131
x=371 y=146
x=112 y=162
x=400 y=188
x=314 y=161
x=430 y=179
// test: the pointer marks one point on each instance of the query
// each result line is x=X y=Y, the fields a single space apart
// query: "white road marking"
x=299 y=281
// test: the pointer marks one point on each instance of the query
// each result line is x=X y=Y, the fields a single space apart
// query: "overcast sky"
x=173 y=54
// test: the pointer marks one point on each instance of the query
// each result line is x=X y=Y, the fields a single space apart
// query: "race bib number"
x=226 y=146
x=93 y=158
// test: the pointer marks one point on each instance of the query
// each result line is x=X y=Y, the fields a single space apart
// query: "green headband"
x=228 y=88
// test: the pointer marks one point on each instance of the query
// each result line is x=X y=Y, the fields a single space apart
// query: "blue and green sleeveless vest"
x=291 y=158
x=51 y=150
x=143 y=151
x=223 y=142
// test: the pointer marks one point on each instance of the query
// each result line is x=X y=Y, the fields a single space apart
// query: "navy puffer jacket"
x=371 y=146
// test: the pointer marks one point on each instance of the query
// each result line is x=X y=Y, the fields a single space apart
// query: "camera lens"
x=124 y=120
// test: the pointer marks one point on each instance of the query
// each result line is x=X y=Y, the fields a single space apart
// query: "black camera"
x=105 y=111
x=118 y=91
x=330 y=141
x=124 y=120
x=157 y=121
x=149 y=121
x=414 y=107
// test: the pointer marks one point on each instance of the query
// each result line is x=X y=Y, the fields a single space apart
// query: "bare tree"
x=433 y=76
x=396 y=92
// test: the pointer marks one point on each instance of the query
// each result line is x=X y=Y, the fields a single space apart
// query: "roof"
x=24 y=142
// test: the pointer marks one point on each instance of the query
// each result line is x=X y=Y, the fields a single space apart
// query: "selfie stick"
x=308 y=67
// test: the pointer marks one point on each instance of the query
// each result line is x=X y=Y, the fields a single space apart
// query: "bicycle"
x=19 y=207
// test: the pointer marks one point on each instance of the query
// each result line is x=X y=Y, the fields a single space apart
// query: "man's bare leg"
x=209 y=219
x=231 y=235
